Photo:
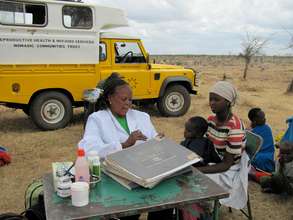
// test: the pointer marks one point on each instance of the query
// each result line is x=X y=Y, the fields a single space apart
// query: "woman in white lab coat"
x=116 y=126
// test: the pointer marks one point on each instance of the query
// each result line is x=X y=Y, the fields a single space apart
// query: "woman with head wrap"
x=226 y=131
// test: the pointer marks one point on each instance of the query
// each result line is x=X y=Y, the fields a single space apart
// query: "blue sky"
x=207 y=26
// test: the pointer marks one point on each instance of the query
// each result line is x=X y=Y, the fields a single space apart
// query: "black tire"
x=175 y=101
x=51 y=110
x=26 y=110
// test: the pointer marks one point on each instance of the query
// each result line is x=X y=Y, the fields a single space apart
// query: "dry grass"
x=33 y=150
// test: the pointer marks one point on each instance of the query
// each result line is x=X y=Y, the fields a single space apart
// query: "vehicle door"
x=129 y=60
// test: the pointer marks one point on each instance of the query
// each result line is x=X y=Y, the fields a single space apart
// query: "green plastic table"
x=109 y=199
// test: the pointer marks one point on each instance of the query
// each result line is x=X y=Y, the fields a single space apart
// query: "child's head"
x=195 y=127
x=257 y=117
x=286 y=152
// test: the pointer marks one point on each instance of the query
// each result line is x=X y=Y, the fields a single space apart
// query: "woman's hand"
x=133 y=137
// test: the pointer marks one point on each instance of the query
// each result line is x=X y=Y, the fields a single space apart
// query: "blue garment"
x=288 y=136
x=264 y=159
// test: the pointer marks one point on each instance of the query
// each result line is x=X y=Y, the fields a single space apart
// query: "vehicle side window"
x=128 y=52
x=22 y=13
x=77 y=17
x=102 y=51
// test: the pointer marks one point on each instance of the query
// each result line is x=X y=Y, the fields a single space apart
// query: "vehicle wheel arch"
x=176 y=80
x=64 y=91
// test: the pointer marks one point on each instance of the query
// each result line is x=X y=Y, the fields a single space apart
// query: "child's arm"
x=223 y=166
x=213 y=156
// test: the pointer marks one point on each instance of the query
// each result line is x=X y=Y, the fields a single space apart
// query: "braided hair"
x=109 y=87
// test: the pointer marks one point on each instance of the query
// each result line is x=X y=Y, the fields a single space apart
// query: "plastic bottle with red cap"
x=81 y=167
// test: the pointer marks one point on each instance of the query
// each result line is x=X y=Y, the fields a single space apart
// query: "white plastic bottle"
x=63 y=186
x=81 y=167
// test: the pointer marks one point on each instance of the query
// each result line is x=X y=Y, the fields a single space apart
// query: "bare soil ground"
x=33 y=150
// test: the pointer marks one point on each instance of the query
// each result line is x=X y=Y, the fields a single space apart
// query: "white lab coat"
x=104 y=134
x=234 y=180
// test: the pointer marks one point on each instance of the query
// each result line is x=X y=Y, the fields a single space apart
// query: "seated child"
x=282 y=180
x=195 y=129
x=264 y=159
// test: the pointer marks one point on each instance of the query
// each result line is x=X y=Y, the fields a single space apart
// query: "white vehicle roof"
x=117 y=17
x=55 y=42
x=106 y=17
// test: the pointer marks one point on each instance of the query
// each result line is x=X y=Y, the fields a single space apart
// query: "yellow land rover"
x=51 y=51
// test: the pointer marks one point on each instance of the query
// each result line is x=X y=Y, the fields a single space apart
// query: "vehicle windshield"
x=128 y=52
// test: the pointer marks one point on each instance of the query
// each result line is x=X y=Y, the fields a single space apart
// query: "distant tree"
x=251 y=46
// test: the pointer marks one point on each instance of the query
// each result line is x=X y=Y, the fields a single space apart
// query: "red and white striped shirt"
x=229 y=136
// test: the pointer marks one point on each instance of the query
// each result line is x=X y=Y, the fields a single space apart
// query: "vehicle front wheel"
x=26 y=110
x=175 y=101
x=51 y=110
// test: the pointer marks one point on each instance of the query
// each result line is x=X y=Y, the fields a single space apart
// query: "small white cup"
x=79 y=194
